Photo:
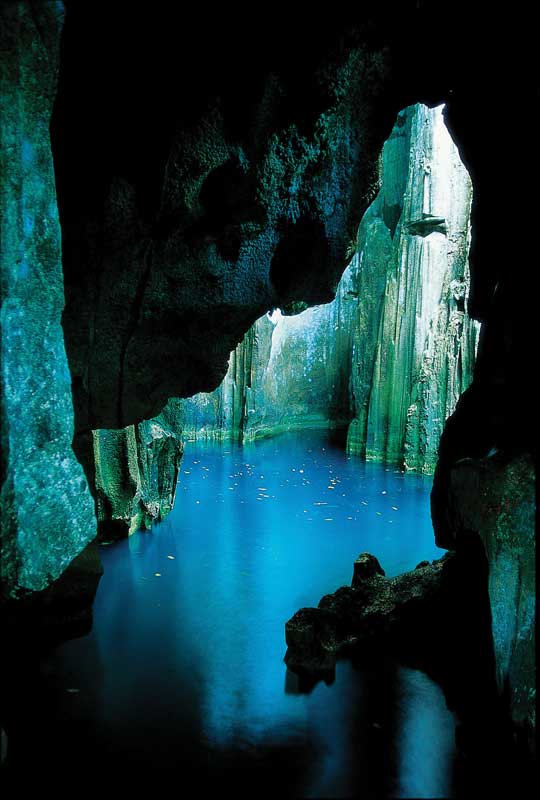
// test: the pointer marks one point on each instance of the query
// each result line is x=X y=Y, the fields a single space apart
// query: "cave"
x=292 y=253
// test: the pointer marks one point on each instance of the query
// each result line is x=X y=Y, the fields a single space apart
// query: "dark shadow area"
x=305 y=242
x=448 y=637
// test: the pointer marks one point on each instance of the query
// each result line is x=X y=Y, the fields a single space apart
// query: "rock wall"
x=492 y=499
x=47 y=510
x=202 y=213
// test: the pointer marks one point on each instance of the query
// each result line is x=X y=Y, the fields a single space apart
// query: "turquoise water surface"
x=184 y=670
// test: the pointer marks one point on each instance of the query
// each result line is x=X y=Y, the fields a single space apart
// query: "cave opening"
x=319 y=443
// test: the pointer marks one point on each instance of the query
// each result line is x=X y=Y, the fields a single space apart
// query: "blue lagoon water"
x=184 y=667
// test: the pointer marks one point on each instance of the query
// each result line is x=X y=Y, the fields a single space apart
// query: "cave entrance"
x=318 y=444
x=386 y=361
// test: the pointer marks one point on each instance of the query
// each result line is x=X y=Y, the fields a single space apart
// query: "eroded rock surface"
x=288 y=373
x=173 y=251
x=205 y=176
x=47 y=510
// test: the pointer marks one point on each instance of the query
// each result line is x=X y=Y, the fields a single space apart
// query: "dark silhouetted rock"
x=366 y=566
x=375 y=612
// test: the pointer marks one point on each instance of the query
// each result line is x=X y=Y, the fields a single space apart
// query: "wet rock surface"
x=375 y=611
x=413 y=344
x=436 y=618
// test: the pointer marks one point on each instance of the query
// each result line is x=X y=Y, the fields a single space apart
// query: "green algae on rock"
x=47 y=509
x=136 y=471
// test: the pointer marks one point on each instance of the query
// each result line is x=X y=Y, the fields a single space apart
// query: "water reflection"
x=421 y=711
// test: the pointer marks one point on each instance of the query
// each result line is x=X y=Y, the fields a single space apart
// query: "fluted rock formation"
x=413 y=344
x=47 y=510
x=136 y=471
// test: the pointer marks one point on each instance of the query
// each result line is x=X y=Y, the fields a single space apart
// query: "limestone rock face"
x=413 y=344
x=136 y=471
x=47 y=509
x=493 y=499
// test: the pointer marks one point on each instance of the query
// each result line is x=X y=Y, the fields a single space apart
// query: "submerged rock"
x=366 y=566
